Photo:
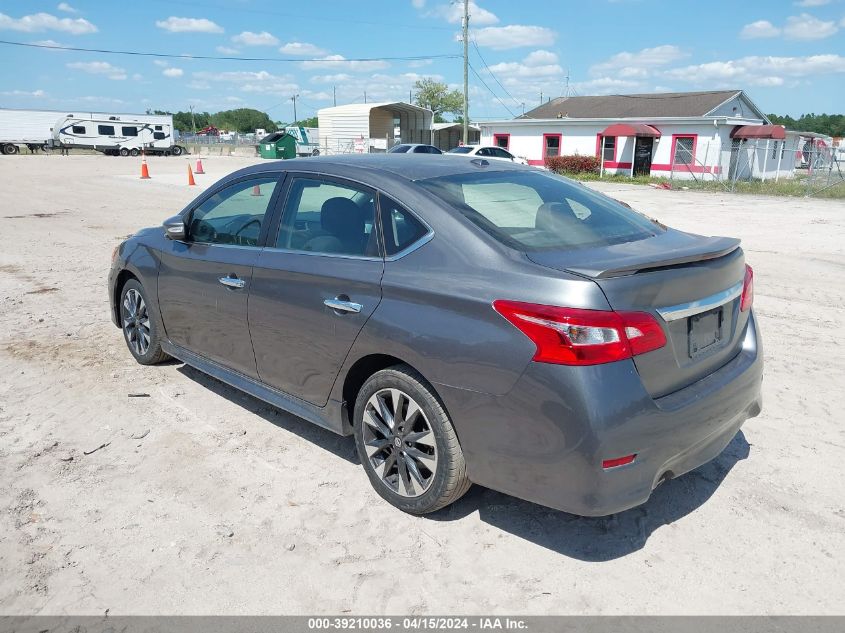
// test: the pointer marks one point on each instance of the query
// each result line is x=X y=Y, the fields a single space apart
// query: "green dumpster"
x=277 y=145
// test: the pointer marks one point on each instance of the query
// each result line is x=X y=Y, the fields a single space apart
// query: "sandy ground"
x=207 y=501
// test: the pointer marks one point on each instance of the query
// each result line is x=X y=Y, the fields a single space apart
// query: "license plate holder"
x=705 y=332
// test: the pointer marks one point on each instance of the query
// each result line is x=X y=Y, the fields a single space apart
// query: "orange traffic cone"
x=145 y=172
x=256 y=190
x=191 y=181
x=199 y=170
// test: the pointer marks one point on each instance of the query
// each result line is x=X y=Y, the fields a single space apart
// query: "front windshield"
x=532 y=210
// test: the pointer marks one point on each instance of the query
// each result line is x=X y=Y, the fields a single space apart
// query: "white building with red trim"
x=707 y=135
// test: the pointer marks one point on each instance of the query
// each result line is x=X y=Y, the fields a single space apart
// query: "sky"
x=786 y=54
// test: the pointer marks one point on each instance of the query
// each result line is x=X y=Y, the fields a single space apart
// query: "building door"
x=643 y=149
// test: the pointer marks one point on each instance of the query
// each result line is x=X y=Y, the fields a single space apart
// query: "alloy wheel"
x=136 y=322
x=399 y=442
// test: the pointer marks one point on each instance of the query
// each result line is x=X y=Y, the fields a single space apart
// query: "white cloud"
x=758 y=70
x=341 y=63
x=189 y=25
x=418 y=4
x=46 y=22
x=64 y=6
x=807 y=27
x=812 y=3
x=137 y=77
x=199 y=85
x=302 y=48
x=645 y=59
x=260 y=81
x=513 y=36
x=331 y=79
x=23 y=93
x=49 y=43
x=99 y=68
x=248 y=38
x=172 y=72
x=607 y=85
x=538 y=64
x=453 y=13
x=160 y=63
x=227 y=50
x=760 y=28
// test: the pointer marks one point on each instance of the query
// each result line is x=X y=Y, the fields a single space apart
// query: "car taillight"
x=747 y=289
x=572 y=336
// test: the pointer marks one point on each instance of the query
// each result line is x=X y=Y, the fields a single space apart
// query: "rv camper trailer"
x=113 y=135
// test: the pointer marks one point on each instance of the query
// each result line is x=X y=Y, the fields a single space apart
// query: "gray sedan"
x=466 y=320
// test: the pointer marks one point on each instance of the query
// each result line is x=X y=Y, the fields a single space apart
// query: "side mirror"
x=174 y=228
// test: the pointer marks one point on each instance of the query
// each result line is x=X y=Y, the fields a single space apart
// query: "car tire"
x=427 y=470
x=141 y=330
x=176 y=150
x=134 y=151
x=124 y=152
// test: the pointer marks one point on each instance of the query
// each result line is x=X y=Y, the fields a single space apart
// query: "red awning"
x=777 y=132
x=631 y=129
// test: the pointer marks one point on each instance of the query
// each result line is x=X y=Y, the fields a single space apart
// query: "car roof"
x=405 y=166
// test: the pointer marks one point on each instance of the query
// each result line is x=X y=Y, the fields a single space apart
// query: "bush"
x=574 y=164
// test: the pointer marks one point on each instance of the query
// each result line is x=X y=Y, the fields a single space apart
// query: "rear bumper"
x=545 y=440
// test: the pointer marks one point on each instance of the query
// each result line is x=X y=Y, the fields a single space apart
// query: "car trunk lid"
x=691 y=284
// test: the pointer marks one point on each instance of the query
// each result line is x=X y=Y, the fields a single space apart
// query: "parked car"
x=467 y=321
x=413 y=148
x=487 y=151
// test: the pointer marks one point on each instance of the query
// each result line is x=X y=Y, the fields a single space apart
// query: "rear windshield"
x=460 y=150
x=533 y=210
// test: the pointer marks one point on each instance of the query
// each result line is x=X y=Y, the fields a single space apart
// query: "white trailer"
x=118 y=134
x=31 y=128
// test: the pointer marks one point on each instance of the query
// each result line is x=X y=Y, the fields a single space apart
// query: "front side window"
x=78 y=129
x=234 y=215
x=401 y=229
x=532 y=211
x=129 y=131
x=684 y=147
x=328 y=217
x=105 y=130
x=400 y=149
x=497 y=152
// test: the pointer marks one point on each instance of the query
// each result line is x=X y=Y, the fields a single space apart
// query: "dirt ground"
x=203 y=500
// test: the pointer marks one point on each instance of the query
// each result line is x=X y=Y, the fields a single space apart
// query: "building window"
x=551 y=145
x=78 y=129
x=684 y=151
x=129 y=131
x=502 y=140
x=609 y=154
x=775 y=150
x=105 y=130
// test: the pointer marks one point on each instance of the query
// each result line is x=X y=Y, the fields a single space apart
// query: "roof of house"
x=667 y=104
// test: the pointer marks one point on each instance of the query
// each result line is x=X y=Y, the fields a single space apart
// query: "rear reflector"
x=618 y=461
x=572 y=336
x=747 y=289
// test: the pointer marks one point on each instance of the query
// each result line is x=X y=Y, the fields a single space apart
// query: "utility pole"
x=334 y=95
x=193 y=122
x=541 y=97
x=466 y=70
x=293 y=98
x=365 y=96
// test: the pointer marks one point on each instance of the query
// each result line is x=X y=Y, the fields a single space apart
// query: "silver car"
x=468 y=321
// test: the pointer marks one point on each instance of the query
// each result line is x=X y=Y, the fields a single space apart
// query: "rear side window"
x=532 y=211
x=158 y=135
x=129 y=131
x=78 y=129
x=105 y=130
x=401 y=229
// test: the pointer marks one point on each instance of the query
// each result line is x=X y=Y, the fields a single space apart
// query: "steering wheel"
x=203 y=231
x=252 y=221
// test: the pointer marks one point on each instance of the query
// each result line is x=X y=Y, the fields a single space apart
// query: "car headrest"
x=554 y=216
x=343 y=218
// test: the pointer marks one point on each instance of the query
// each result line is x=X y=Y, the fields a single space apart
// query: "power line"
x=491 y=92
x=227 y=57
x=496 y=79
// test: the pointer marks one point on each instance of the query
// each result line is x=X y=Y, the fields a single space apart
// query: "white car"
x=488 y=151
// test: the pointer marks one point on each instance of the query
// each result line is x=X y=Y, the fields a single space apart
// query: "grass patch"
x=792 y=187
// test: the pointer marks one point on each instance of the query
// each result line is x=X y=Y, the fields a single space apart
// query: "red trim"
x=559 y=144
x=777 y=132
x=675 y=138
x=614 y=165
x=692 y=169
x=536 y=163
x=507 y=138
x=631 y=129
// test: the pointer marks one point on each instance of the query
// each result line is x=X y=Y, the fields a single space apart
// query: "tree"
x=830 y=124
x=436 y=96
x=310 y=122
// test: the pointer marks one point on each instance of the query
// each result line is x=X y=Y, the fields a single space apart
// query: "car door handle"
x=232 y=282
x=342 y=306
